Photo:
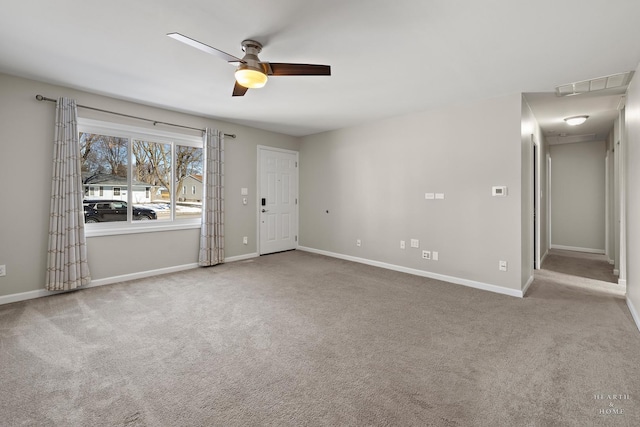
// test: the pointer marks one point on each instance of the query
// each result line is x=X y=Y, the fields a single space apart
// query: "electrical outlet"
x=434 y=256
x=358 y=243
x=3 y=270
x=245 y=240
x=415 y=243
x=402 y=244
x=426 y=255
x=502 y=266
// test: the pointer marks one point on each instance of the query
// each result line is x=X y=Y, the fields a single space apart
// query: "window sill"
x=115 y=229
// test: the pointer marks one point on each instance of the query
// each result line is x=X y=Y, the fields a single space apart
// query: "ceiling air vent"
x=600 y=83
x=570 y=139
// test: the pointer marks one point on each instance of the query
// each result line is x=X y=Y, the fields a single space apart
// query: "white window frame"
x=152 y=135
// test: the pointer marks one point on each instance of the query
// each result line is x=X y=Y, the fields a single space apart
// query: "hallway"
x=579 y=269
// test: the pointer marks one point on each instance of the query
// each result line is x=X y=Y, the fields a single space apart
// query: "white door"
x=278 y=200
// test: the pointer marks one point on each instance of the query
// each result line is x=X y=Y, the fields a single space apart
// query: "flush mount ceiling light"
x=576 y=120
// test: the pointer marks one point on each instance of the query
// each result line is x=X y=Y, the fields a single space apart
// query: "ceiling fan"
x=251 y=72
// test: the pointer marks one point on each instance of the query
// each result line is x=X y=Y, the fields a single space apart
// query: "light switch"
x=440 y=196
x=429 y=196
x=244 y=191
x=415 y=243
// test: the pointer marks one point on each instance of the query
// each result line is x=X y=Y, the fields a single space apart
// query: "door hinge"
x=296 y=238
x=296 y=164
x=296 y=201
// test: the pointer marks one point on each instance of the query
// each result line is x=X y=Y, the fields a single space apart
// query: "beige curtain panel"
x=67 y=266
x=212 y=232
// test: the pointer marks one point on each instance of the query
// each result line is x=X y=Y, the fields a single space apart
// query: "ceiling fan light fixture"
x=576 y=120
x=250 y=77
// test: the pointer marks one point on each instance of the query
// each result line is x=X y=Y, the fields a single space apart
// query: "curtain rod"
x=155 y=122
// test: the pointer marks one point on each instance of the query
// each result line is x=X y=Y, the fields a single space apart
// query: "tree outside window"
x=147 y=180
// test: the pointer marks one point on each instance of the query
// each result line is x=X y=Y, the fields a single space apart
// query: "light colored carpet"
x=300 y=339
x=580 y=264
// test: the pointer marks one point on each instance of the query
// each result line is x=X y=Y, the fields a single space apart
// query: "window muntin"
x=188 y=172
x=147 y=167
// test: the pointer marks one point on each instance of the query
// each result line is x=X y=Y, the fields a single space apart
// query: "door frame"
x=259 y=192
x=622 y=144
x=536 y=199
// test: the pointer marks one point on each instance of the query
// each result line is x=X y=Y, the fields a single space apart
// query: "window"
x=193 y=189
x=136 y=172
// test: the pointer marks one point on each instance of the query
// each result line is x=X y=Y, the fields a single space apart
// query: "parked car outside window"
x=114 y=210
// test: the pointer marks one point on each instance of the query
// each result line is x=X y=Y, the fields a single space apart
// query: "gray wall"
x=578 y=195
x=372 y=180
x=26 y=137
x=632 y=120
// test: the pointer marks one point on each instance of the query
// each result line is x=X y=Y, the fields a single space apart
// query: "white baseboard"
x=622 y=282
x=577 y=249
x=139 y=275
x=634 y=313
x=241 y=257
x=7 y=299
x=416 y=272
x=526 y=286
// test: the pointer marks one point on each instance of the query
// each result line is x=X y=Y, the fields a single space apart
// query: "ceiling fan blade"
x=284 y=69
x=239 y=90
x=205 y=48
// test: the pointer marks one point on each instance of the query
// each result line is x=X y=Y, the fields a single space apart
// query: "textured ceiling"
x=388 y=57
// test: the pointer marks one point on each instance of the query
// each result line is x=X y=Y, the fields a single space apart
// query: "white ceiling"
x=388 y=58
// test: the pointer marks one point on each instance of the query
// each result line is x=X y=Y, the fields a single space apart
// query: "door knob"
x=264 y=210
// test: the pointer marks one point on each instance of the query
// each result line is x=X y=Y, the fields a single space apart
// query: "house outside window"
x=142 y=167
